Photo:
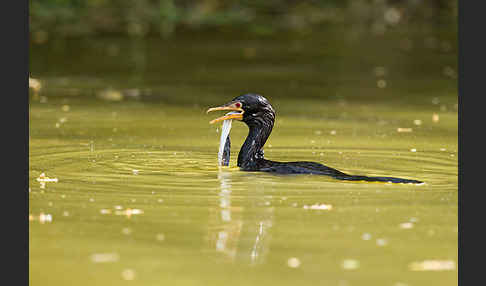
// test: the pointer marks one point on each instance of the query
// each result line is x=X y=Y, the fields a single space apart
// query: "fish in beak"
x=235 y=107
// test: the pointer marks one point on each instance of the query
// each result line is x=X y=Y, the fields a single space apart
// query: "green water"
x=140 y=199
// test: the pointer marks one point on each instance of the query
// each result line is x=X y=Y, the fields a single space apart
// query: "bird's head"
x=253 y=109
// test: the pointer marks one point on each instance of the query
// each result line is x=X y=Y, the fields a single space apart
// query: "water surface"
x=140 y=199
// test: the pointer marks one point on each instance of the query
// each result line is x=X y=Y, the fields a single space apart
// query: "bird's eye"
x=238 y=105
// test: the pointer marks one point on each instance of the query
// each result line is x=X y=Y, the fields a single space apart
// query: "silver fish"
x=225 y=142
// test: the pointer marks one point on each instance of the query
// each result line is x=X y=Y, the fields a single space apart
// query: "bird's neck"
x=252 y=150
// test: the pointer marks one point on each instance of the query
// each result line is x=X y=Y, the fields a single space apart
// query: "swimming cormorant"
x=256 y=112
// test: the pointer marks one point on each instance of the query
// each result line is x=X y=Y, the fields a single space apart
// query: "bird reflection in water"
x=241 y=234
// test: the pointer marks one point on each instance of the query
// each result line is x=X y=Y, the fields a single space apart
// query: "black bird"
x=256 y=112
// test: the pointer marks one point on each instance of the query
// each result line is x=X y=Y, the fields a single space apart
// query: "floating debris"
x=105 y=211
x=381 y=242
x=128 y=274
x=350 y=264
x=413 y=150
x=135 y=172
x=35 y=84
x=126 y=230
x=42 y=218
x=417 y=122
x=160 y=237
x=105 y=257
x=366 y=236
x=110 y=95
x=42 y=178
x=133 y=93
x=406 y=225
x=318 y=207
x=129 y=212
x=399 y=129
x=136 y=211
x=119 y=211
x=333 y=132
x=392 y=16
x=435 y=117
x=381 y=83
x=65 y=108
x=449 y=72
x=432 y=265
x=293 y=262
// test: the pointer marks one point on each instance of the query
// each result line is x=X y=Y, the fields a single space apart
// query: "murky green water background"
x=140 y=199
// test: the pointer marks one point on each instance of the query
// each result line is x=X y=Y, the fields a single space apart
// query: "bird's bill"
x=233 y=106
